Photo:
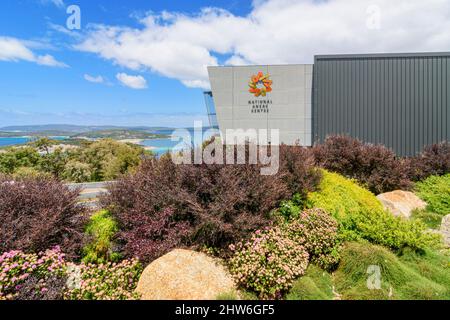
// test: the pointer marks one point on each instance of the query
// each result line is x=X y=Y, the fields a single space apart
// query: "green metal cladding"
x=399 y=100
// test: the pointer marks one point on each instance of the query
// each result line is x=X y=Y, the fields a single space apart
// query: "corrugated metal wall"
x=401 y=101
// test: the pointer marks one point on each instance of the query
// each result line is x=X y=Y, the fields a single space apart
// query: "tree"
x=76 y=171
x=43 y=144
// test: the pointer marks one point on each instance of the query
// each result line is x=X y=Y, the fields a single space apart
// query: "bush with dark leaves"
x=202 y=205
x=37 y=214
x=433 y=161
x=36 y=288
x=375 y=166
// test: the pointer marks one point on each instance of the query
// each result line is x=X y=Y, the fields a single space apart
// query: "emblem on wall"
x=260 y=84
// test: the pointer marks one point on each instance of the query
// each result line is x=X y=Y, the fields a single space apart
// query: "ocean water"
x=12 y=141
x=162 y=146
x=4 y=142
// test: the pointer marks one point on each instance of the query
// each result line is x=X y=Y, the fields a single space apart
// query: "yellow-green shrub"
x=342 y=197
x=361 y=215
x=101 y=229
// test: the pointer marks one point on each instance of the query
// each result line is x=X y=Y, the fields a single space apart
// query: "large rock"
x=445 y=230
x=184 y=275
x=401 y=203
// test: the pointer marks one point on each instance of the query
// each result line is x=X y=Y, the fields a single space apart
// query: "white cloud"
x=97 y=79
x=48 y=60
x=180 y=46
x=134 y=82
x=12 y=49
x=58 y=3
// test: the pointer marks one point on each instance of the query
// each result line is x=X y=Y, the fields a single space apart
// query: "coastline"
x=138 y=142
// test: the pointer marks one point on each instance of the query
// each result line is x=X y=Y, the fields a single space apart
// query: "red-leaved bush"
x=374 y=166
x=151 y=235
x=37 y=214
x=202 y=205
x=433 y=161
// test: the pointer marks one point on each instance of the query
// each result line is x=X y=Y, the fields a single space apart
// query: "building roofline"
x=381 y=55
x=349 y=56
x=265 y=65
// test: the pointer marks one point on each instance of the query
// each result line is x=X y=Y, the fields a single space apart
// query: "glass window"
x=211 y=109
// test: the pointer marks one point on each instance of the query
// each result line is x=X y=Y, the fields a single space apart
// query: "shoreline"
x=138 y=142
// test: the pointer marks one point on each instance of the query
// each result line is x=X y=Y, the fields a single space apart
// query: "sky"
x=144 y=62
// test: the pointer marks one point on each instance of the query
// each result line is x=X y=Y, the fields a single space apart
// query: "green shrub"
x=400 y=278
x=435 y=191
x=76 y=171
x=29 y=172
x=316 y=230
x=268 y=263
x=101 y=229
x=14 y=158
x=290 y=209
x=430 y=219
x=316 y=284
x=361 y=215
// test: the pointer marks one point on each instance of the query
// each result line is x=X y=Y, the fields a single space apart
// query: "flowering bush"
x=46 y=276
x=110 y=281
x=317 y=231
x=268 y=263
x=16 y=267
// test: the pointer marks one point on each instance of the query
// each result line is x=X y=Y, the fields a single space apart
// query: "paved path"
x=90 y=191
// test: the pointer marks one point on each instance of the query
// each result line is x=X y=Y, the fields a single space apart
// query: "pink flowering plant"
x=16 y=267
x=110 y=281
x=268 y=263
x=317 y=231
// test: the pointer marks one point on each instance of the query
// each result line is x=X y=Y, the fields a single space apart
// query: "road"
x=90 y=192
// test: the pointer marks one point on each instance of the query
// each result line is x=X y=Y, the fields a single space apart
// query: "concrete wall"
x=290 y=104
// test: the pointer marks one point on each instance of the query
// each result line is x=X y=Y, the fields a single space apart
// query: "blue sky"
x=143 y=62
x=29 y=89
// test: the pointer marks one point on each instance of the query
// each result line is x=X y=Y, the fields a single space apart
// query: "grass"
x=316 y=284
x=101 y=229
x=410 y=276
x=435 y=191
x=227 y=296
x=237 y=295
x=431 y=219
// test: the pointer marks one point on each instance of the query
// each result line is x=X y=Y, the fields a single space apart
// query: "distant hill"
x=68 y=129
x=118 y=134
